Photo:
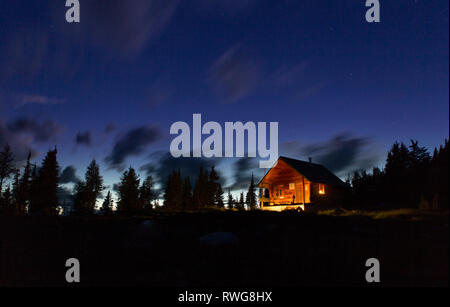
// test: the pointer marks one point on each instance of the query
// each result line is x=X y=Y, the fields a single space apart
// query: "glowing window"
x=321 y=189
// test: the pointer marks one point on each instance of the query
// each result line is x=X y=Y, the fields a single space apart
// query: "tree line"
x=412 y=177
x=34 y=190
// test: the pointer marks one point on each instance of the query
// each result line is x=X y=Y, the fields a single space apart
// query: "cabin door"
x=298 y=193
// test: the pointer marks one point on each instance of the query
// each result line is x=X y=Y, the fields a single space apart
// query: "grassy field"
x=327 y=248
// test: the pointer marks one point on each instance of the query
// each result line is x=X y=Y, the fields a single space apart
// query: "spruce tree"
x=23 y=197
x=93 y=186
x=251 y=195
x=6 y=200
x=146 y=194
x=173 y=196
x=187 y=194
x=6 y=165
x=46 y=198
x=230 y=200
x=34 y=189
x=218 y=196
x=200 y=194
x=16 y=191
x=129 y=192
x=107 y=205
x=241 y=205
x=212 y=186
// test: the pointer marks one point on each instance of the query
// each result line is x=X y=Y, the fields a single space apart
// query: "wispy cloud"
x=83 y=138
x=342 y=153
x=69 y=175
x=132 y=143
x=24 y=99
x=23 y=133
x=126 y=26
x=234 y=74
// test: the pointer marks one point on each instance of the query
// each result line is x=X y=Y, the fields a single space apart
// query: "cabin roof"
x=312 y=171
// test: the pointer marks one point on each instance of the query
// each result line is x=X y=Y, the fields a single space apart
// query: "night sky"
x=109 y=87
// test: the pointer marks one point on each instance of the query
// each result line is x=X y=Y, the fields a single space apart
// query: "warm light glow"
x=321 y=189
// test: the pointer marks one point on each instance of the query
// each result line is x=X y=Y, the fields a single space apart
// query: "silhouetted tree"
x=87 y=191
x=230 y=200
x=107 y=205
x=23 y=197
x=240 y=205
x=187 y=194
x=250 y=198
x=6 y=200
x=173 y=195
x=218 y=196
x=201 y=196
x=34 y=188
x=15 y=190
x=146 y=195
x=46 y=198
x=129 y=192
x=6 y=165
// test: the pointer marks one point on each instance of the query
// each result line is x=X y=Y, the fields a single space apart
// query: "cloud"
x=83 y=138
x=20 y=145
x=288 y=75
x=234 y=75
x=131 y=144
x=40 y=131
x=163 y=164
x=109 y=128
x=342 y=154
x=126 y=26
x=65 y=197
x=68 y=175
x=243 y=170
x=37 y=99
x=23 y=133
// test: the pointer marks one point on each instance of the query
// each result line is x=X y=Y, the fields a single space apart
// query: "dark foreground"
x=272 y=249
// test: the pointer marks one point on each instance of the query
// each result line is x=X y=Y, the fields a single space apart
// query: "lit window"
x=321 y=189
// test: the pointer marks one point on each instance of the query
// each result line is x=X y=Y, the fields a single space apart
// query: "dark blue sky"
x=342 y=90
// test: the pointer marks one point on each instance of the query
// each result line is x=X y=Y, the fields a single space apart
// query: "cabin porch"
x=284 y=188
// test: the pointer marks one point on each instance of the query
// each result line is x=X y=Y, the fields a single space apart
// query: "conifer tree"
x=6 y=200
x=16 y=190
x=187 y=194
x=200 y=194
x=218 y=196
x=34 y=188
x=46 y=198
x=173 y=196
x=6 y=165
x=107 y=205
x=93 y=185
x=241 y=205
x=23 y=197
x=129 y=192
x=146 y=195
x=250 y=198
x=230 y=200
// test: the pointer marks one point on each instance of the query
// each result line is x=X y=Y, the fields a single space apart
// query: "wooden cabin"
x=293 y=184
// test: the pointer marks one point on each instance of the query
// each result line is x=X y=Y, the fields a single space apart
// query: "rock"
x=218 y=238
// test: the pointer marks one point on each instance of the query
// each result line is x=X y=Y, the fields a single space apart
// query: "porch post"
x=303 y=185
